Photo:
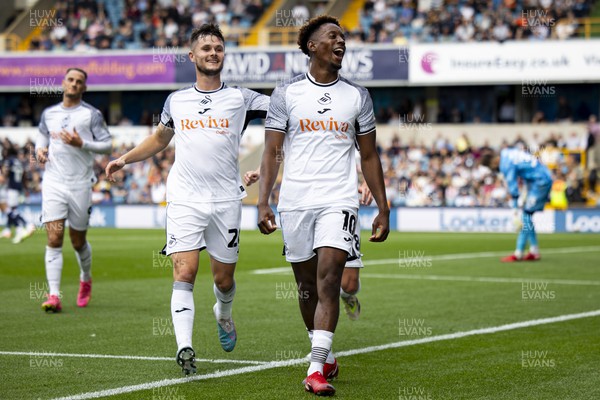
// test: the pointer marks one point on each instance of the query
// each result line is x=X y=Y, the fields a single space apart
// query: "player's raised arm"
x=102 y=143
x=269 y=168
x=373 y=174
x=149 y=147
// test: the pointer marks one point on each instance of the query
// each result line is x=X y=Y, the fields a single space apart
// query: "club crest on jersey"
x=206 y=100
x=204 y=122
x=65 y=121
x=325 y=100
x=309 y=125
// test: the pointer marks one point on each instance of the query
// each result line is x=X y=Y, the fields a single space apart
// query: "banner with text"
x=406 y=219
x=170 y=67
x=42 y=73
x=364 y=65
x=523 y=62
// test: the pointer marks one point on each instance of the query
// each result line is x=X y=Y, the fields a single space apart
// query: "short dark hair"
x=206 y=30
x=78 y=70
x=311 y=27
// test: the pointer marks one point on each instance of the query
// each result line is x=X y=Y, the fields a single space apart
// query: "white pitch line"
x=123 y=357
x=439 y=257
x=480 y=279
x=268 y=271
x=297 y=361
x=485 y=254
x=482 y=331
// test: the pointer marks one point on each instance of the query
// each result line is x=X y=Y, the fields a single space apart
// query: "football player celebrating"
x=316 y=118
x=70 y=133
x=204 y=189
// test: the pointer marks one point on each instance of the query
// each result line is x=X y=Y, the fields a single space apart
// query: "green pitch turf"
x=402 y=300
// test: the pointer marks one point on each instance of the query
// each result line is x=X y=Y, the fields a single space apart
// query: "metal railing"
x=270 y=36
x=588 y=27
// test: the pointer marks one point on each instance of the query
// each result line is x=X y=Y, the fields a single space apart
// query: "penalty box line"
x=298 y=361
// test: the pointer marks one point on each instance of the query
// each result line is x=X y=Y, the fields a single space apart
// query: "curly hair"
x=206 y=30
x=311 y=27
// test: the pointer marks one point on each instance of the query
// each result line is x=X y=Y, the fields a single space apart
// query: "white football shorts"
x=61 y=202
x=355 y=257
x=211 y=226
x=304 y=231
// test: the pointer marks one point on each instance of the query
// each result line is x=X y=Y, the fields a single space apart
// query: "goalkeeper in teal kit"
x=516 y=163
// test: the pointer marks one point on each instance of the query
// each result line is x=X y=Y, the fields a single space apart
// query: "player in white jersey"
x=204 y=189
x=71 y=132
x=316 y=118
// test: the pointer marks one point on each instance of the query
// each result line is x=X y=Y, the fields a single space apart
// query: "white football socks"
x=534 y=250
x=321 y=347
x=518 y=254
x=330 y=356
x=224 y=301
x=182 y=313
x=84 y=259
x=54 y=264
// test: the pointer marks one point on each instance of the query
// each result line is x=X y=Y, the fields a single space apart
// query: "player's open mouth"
x=339 y=52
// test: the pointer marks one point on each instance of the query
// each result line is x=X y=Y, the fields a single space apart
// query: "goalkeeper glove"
x=517 y=219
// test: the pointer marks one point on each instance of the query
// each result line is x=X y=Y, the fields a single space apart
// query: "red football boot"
x=509 y=259
x=316 y=383
x=532 y=257
x=330 y=371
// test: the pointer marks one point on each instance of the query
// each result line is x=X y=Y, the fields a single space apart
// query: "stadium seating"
x=132 y=24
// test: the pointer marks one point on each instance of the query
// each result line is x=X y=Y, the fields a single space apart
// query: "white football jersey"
x=70 y=165
x=320 y=123
x=208 y=127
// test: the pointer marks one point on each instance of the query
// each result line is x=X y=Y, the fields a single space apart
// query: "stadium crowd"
x=452 y=175
x=443 y=174
x=401 y=21
x=86 y=25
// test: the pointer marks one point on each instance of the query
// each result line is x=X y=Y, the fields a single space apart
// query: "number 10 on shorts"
x=349 y=222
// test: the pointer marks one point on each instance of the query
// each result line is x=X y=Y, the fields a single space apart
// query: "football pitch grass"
x=441 y=318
